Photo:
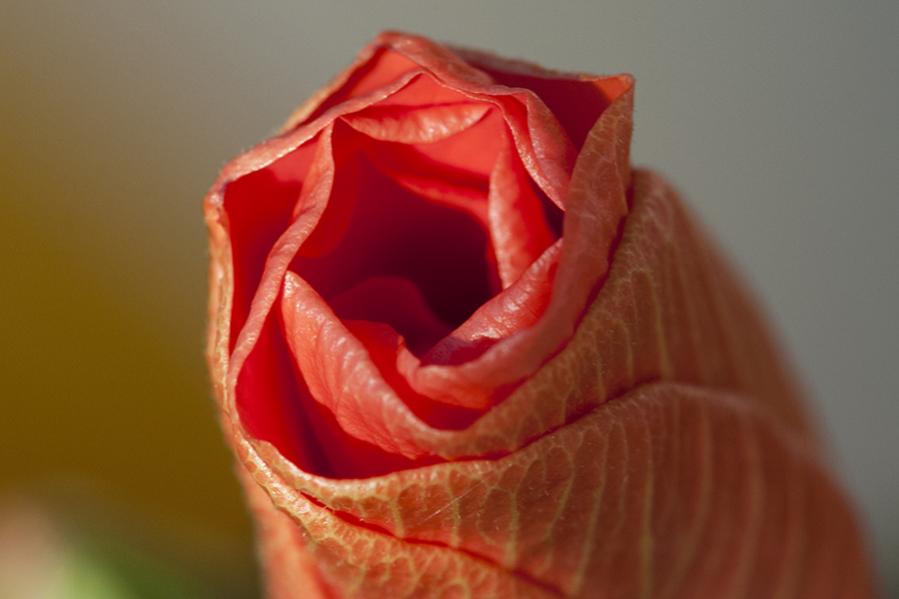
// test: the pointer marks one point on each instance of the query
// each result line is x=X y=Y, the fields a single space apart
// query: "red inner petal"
x=258 y=208
x=576 y=102
x=426 y=243
x=385 y=347
x=384 y=67
x=374 y=228
x=403 y=254
x=393 y=300
x=276 y=406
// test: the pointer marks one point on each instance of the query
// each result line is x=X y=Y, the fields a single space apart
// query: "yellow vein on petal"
x=705 y=481
x=589 y=538
x=560 y=507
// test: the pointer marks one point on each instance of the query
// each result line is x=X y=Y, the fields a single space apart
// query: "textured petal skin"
x=648 y=442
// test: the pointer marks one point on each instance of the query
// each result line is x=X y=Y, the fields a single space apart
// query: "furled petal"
x=526 y=155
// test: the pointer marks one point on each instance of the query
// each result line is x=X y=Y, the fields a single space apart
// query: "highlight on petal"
x=416 y=125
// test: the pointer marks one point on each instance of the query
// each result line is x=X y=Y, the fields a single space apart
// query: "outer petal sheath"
x=661 y=453
x=669 y=491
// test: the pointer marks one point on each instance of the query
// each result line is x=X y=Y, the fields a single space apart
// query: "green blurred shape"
x=97 y=571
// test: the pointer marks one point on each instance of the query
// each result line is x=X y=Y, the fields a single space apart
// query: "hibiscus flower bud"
x=461 y=347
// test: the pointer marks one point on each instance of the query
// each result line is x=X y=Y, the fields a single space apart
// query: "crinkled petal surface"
x=462 y=349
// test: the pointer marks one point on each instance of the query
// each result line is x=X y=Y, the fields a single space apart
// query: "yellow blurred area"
x=106 y=411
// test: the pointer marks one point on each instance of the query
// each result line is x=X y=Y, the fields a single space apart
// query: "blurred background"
x=776 y=119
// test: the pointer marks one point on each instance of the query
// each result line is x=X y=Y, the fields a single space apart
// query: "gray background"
x=777 y=120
